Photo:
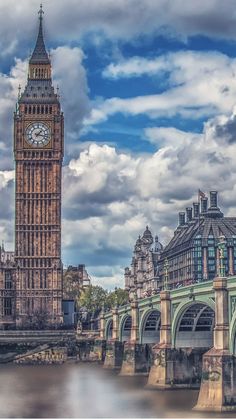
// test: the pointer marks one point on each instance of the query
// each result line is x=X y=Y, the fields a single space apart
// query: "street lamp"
x=221 y=247
x=166 y=274
x=135 y=295
x=116 y=298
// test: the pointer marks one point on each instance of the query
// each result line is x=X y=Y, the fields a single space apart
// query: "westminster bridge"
x=184 y=337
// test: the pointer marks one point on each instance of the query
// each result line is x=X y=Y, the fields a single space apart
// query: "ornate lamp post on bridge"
x=135 y=315
x=221 y=247
x=166 y=275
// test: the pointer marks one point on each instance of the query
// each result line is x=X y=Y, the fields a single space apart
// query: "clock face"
x=38 y=134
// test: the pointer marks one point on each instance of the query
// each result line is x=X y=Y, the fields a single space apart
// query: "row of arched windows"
x=40 y=73
x=40 y=109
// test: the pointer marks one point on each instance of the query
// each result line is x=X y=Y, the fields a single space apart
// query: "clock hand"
x=36 y=135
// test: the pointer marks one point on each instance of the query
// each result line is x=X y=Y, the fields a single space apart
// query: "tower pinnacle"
x=41 y=12
x=40 y=55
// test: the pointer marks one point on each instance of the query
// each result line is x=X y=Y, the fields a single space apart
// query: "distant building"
x=191 y=256
x=8 y=283
x=143 y=273
x=6 y=256
x=8 y=274
x=68 y=308
x=75 y=278
x=78 y=276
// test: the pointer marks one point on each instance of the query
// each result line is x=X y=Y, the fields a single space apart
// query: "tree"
x=118 y=297
x=38 y=320
x=71 y=285
x=92 y=298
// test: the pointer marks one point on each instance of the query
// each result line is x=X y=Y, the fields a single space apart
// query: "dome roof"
x=147 y=233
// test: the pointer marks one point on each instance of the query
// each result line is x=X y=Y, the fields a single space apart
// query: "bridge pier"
x=98 y=347
x=97 y=350
x=171 y=367
x=114 y=348
x=218 y=385
x=135 y=358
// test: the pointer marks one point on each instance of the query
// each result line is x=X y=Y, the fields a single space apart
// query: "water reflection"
x=76 y=390
x=70 y=390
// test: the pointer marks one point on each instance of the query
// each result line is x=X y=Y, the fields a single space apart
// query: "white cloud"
x=170 y=136
x=127 y=191
x=6 y=177
x=120 y=19
x=70 y=75
x=135 y=67
x=109 y=197
x=199 y=84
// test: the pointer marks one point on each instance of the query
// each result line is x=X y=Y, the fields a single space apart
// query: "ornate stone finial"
x=19 y=91
x=166 y=274
x=41 y=12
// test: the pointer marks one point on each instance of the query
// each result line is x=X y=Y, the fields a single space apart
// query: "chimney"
x=181 y=219
x=204 y=205
x=189 y=214
x=195 y=210
x=213 y=199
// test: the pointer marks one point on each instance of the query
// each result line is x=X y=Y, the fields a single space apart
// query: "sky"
x=148 y=89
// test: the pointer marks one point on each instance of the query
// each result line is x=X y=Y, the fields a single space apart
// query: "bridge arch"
x=149 y=330
x=232 y=334
x=109 y=328
x=125 y=327
x=193 y=324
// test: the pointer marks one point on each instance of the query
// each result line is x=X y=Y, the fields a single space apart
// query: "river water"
x=86 y=391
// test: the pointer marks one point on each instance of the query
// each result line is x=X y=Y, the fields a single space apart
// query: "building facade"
x=191 y=256
x=7 y=287
x=143 y=274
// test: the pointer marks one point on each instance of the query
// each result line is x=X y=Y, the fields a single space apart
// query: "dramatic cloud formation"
x=74 y=89
x=153 y=85
x=121 y=19
x=198 y=84
x=116 y=194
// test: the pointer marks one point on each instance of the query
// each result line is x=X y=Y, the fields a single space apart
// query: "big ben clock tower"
x=38 y=150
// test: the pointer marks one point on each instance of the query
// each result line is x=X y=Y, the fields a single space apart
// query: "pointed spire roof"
x=40 y=55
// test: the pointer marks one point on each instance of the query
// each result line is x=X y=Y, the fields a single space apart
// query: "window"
x=8 y=280
x=211 y=252
x=7 y=306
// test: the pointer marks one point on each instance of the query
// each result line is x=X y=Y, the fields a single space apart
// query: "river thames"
x=86 y=391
